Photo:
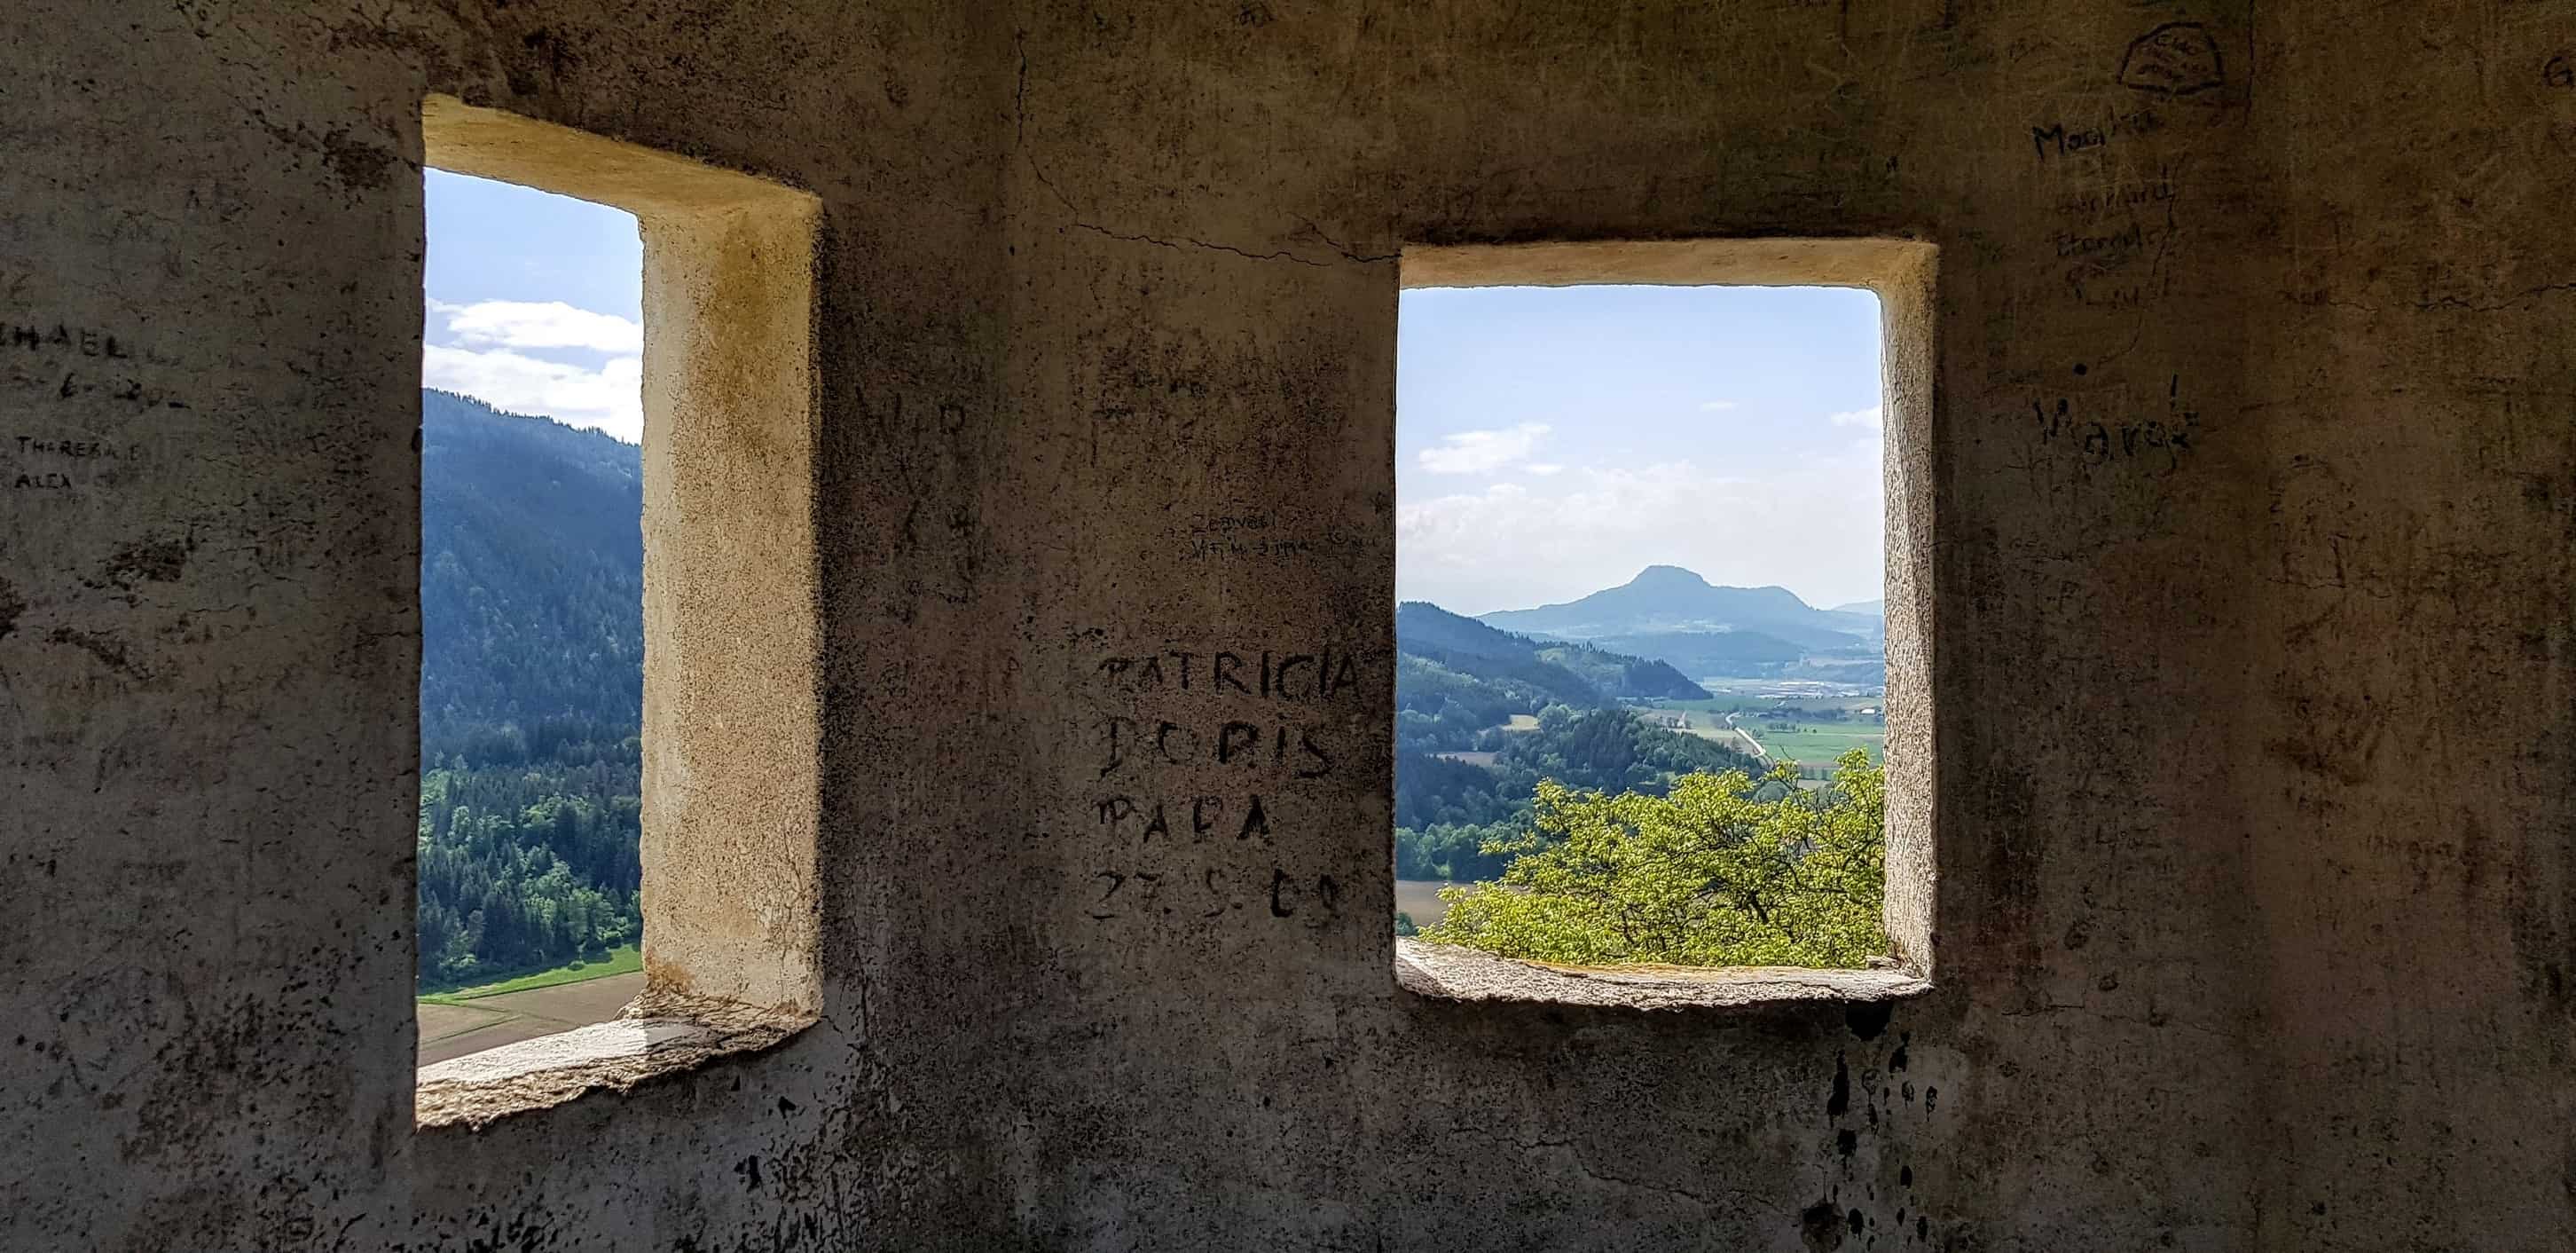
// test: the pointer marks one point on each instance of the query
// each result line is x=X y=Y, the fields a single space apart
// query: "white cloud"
x=1716 y=406
x=1543 y=468
x=1480 y=452
x=1870 y=417
x=610 y=398
x=538 y=324
x=1813 y=527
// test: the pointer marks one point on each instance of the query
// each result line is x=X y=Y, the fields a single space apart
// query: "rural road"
x=1760 y=753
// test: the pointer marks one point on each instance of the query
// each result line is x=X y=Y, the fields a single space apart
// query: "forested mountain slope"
x=532 y=684
x=1456 y=677
x=531 y=577
x=1458 y=682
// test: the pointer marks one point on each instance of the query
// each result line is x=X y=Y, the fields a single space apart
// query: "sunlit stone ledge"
x=1465 y=974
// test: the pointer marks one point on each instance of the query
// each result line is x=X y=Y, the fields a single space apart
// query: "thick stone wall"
x=2254 y=810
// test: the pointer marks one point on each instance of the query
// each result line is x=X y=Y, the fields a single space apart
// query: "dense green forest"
x=1446 y=810
x=1458 y=682
x=1718 y=869
x=1456 y=679
x=531 y=692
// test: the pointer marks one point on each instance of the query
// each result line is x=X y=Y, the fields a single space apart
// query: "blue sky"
x=535 y=303
x=1552 y=442
x=1549 y=442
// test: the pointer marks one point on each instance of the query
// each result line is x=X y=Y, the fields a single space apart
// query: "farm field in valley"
x=455 y=1024
x=625 y=959
x=1420 y=898
x=1805 y=722
x=1818 y=743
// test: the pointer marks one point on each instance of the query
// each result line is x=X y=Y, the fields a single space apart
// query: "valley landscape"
x=1626 y=689
x=531 y=698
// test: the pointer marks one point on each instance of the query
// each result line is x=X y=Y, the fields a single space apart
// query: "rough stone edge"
x=1451 y=973
x=648 y=1042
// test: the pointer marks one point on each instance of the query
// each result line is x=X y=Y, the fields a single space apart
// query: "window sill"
x=1447 y=972
x=534 y=1074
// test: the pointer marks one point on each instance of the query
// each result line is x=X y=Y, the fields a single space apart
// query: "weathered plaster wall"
x=2254 y=815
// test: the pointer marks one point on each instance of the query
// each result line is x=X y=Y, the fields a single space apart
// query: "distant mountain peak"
x=1667 y=576
x=1676 y=581
x=1666 y=598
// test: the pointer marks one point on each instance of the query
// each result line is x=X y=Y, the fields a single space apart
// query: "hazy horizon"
x=1624 y=580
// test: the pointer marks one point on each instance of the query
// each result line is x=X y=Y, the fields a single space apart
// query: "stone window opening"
x=731 y=710
x=1901 y=274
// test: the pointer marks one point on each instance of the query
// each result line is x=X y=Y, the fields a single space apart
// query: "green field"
x=620 y=961
x=1788 y=736
x=1818 y=743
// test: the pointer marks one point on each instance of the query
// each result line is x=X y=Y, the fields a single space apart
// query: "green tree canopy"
x=1719 y=871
